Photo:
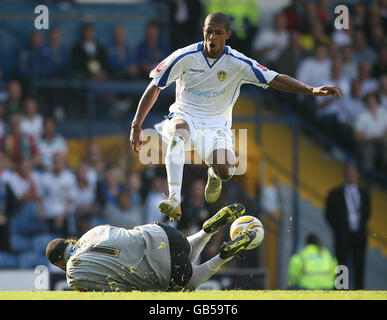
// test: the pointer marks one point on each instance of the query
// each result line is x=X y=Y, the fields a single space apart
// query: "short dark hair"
x=313 y=239
x=219 y=17
x=55 y=250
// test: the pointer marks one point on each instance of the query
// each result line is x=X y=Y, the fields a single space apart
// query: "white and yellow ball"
x=248 y=223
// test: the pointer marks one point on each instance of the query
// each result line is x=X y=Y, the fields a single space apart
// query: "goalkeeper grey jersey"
x=108 y=258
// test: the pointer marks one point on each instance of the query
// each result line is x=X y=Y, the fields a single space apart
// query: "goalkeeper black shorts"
x=181 y=267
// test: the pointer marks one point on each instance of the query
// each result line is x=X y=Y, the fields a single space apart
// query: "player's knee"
x=180 y=128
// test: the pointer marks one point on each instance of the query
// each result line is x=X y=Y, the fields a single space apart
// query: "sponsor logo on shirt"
x=161 y=66
x=262 y=67
x=196 y=70
x=222 y=75
x=209 y=94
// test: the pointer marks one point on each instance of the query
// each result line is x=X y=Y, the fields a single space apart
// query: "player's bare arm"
x=286 y=83
x=146 y=103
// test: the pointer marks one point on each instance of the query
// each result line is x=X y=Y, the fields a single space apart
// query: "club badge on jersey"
x=222 y=75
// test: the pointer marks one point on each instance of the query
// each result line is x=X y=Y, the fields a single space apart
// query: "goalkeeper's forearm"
x=286 y=83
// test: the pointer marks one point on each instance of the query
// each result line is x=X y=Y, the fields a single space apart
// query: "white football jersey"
x=205 y=89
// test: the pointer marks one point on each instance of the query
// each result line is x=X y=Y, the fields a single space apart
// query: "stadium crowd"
x=42 y=198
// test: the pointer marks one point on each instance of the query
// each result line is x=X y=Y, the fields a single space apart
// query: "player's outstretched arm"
x=286 y=83
x=146 y=103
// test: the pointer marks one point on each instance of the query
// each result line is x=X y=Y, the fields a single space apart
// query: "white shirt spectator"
x=372 y=126
x=368 y=86
x=334 y=107
x=383 y=101
x=2 y=128
x=352 y=199
x=19 y=185
x=84 y=196
x=350 y=110
x=268 y=38
x=57 y=192
x=314 y=72
x=341 y=38
x=33 y=127
x=48 y=148
x=350 y=69
x=124 y=218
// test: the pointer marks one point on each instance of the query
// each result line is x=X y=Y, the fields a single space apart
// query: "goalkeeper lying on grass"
x=151 y=257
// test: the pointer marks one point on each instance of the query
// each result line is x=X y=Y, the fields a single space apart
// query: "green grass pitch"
x=197 y=295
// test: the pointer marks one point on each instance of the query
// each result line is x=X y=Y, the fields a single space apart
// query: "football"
x=248 y=223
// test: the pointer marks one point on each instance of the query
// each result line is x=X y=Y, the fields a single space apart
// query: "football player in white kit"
x=208 y=78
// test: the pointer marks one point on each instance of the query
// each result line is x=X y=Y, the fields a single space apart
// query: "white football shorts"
x=206 y=135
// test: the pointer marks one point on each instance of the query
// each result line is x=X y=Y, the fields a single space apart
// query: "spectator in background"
x=185 y=18
x=291 y=57
x=26 y=225
x=383 y=12
x=316 y=35
x=315 y=70
x=86 y=207
x=380 y=67
x=96 y=164
x=368 y=83
x=88 y=57
x=347 y=212
x=244 y=18
x=350 y=65
x=57 y=62
x=309 y=16
x=377 y=37
x=121 y=60
x=360 y=16
x=195 y=208
x=343 y=37
x=7 y=259
x=269 y=43
x=2 y=120
x=124 y=214
x=32 y=59
x=152 y=50
x=27 y=219
x=313 y=268
x=293 y=15
x=361 y=50
x=32 y=120
x=159 y=187
x=324 y=13
x=50 y=143
x=58 y=189
x=351 y=107
x=383 y=92
x=328 y=108
x=112 y=186
x=14 y=102
x=16 y=145
x=371 y=128
x=134 y=186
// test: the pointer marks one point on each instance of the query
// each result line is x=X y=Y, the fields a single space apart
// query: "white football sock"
x=205 y=271
x=197 y=242
x=174 y=163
